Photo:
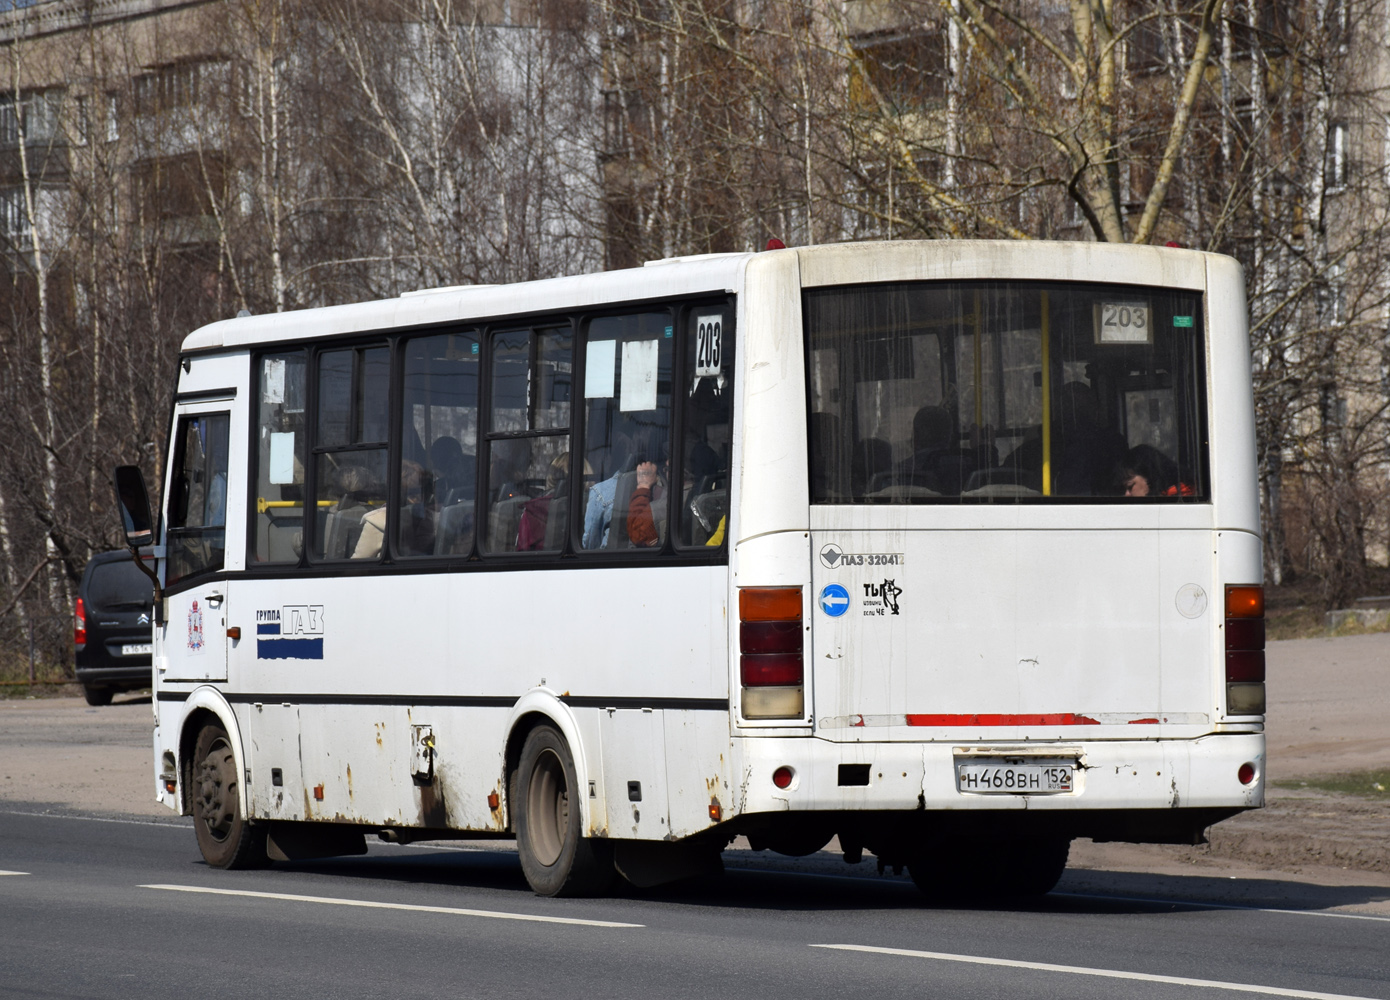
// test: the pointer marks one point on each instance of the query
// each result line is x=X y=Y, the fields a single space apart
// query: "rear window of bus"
x=1005 y=392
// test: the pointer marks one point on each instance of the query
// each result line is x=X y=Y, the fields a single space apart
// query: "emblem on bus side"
x=834 y=557
x=294 y=632
x=195 y=628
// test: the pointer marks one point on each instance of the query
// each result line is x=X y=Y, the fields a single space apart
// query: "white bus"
x=947 y=549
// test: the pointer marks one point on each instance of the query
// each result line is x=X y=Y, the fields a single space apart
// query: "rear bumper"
x=124 y=677
x=1111 y=775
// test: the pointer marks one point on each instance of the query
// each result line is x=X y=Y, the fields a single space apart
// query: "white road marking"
x=1199 y=905
x=1078 y=970
x=369 y=904
x=14 y=873
x=173 y=824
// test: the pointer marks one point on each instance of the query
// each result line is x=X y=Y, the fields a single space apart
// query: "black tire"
x=967 y=871
x=97 y=696
x=555 y=859
x=1035 y=866
x=226 y=838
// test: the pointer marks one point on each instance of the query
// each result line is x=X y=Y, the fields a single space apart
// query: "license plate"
x=137 y=648
x=1014 y=779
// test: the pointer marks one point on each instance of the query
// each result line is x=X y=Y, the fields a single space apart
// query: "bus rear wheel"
x=225 y=837
x=555 y=858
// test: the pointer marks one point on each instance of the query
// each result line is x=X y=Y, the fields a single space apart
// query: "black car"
x=112 y=628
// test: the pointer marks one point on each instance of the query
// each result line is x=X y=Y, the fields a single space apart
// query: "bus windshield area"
x=1005 y=392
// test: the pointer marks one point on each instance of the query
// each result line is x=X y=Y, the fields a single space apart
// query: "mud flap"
x=646 y=863
x=304 y=841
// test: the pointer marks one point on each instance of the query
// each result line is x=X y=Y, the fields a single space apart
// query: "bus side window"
x=439 y=410
x=528 y=440
x=350 y=453
x=198 y=498
x=627 y=431
x=704 y=497
x=278 y=536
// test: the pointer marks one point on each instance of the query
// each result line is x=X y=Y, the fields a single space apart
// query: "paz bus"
x=948 y=550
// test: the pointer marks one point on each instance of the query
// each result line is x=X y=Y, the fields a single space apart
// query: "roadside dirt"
x=1329 y=714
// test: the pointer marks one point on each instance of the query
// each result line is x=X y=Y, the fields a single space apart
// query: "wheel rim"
x=547 y=808
x=215 y=782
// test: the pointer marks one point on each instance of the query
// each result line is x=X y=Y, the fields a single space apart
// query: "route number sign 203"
x=708 y=341
x=1123 y=323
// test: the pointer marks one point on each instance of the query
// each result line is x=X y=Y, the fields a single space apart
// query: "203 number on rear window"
x=1123 y=323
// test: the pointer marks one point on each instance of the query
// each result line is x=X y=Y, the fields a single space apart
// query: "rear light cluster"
x=770 y=643
x=1245 y=650
x=79 y=624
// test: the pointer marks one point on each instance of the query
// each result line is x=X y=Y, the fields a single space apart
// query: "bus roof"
x=477 y=302
x=827 y=264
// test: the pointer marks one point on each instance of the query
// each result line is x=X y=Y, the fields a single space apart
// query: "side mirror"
x=134 y=503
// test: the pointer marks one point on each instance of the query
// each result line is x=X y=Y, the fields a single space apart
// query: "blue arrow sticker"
x=834 y=600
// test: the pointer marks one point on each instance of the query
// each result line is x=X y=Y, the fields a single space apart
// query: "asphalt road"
x=110 y=907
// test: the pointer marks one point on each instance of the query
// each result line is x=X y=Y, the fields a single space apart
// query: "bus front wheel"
x=225 y=837
x=555 y=858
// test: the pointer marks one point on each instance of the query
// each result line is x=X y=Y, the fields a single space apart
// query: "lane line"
x=369 y=904
x=14 y=873
x=1078 y=970
x=1195 y=904
x=171 y=825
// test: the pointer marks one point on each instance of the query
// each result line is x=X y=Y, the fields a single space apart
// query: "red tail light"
x=79 y=624
x=769 y=669
x=771 y=637
x=1245 y=650
x=1244 y=665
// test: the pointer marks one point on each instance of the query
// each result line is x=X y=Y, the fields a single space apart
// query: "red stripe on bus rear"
x=1058 y=719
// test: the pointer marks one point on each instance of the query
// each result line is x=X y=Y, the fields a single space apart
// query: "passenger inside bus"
x=1147 y=472
x=933 y=440
x=453 y=471
x=1090 y=451
x=418 y=515
x=648 y=454
x=355 y=489
x=598 y=511
x=455 y=478
x=647 y=499
x=543 y=518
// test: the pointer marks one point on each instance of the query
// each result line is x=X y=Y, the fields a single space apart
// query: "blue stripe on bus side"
x=289 y=649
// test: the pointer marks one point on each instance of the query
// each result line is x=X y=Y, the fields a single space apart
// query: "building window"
x=35 y=116
x=177 y=85
x=1338 y=156
x=113 y=118
x=13 y=219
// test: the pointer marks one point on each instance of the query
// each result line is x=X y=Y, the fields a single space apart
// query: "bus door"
x=195 y=640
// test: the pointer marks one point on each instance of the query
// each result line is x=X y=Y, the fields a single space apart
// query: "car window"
x=116 y=585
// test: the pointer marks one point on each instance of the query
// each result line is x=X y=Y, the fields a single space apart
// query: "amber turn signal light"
x=769 y=604
x=1245 y=601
